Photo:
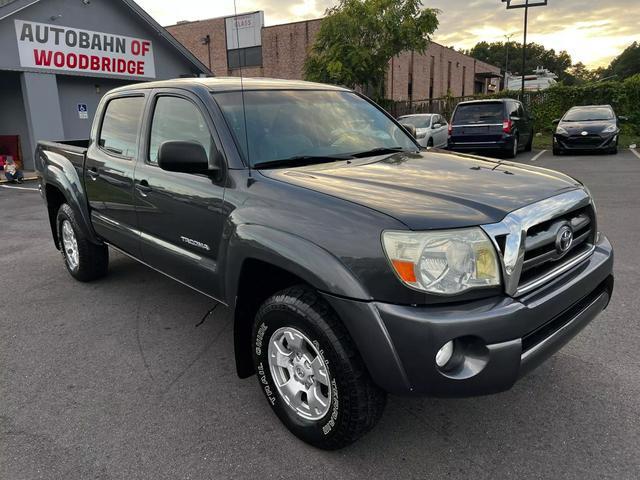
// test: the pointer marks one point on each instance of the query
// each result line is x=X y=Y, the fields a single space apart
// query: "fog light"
x=444 y=354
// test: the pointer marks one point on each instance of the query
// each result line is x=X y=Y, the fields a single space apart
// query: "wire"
x=244 y=108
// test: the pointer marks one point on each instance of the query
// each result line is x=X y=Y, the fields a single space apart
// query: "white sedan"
x=431 y=128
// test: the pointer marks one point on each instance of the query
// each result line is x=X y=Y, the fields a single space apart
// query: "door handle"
x=93 y=174
x=143 y=187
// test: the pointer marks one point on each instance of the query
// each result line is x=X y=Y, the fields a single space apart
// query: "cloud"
x=593 y=32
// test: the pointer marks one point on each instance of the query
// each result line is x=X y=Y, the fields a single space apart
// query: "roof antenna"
x=244 y=108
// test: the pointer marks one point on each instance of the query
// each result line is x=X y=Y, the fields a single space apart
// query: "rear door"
x=524 y=124
x=180 y=215
x=477 y=122
x=440 y=133
x=109 y=170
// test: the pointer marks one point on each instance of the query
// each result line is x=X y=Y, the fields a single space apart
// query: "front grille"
x=533 y=240
x=585 y=141
x=541 y=254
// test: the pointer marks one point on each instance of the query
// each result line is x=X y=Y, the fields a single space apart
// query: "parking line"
x=19 y=188
x=538 y=156
x=635 y=152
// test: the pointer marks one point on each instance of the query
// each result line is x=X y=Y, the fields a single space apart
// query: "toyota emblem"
x=585 y=133
x=564 y=239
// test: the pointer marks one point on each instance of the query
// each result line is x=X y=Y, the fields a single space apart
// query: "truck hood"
x=433 y=189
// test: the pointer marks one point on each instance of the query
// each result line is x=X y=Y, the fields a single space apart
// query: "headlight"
x=443 y=262
x=421 y=133
x=561 y=131
x=610 y=129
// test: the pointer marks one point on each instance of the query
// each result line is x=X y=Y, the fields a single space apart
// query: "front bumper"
x=591 y=142
x=504 y=337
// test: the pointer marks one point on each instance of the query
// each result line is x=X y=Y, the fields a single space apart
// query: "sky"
x=592 y=31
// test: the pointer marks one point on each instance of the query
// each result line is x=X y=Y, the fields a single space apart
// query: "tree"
x=537 y=56
x=626 y=64
x=358 y=38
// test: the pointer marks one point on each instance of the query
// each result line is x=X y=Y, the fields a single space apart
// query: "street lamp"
x=526 y=4
x=207 y=41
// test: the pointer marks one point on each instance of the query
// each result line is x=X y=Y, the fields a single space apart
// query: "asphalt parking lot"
x=113 y=379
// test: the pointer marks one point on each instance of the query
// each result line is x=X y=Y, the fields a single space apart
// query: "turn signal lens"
x=507 y=125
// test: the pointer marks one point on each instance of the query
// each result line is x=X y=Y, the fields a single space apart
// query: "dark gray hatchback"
x=500 y=126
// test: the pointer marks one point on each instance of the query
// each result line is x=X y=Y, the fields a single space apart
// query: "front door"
x=180 y=215
x=109 y=171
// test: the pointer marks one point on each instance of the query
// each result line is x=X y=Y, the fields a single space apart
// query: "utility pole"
x=526 y=4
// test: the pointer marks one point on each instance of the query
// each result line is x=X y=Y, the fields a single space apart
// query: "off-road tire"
x=93 y=260
x=356 y=402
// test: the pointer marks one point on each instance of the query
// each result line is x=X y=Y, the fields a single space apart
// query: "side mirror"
x=436 y=125
x=184 y=157
x=623 y=118
x=556 y=121
x=409 y=128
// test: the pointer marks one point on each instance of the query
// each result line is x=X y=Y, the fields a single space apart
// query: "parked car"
x=495 y=126
x=588 y=128
x=355 y=264
x=431 y=128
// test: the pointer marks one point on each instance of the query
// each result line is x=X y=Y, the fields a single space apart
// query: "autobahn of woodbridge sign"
x=53 y=47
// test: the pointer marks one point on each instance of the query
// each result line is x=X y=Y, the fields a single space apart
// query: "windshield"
x=423 y=121
x=587 y=114
x=478 y=113
x=289 y=124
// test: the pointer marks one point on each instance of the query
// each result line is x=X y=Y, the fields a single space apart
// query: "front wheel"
x=310 y=371
x=84 y=260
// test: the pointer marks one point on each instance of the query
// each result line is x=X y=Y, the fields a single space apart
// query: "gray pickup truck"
x=355 y=263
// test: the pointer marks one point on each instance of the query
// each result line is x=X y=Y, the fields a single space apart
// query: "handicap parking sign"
x=83 y=111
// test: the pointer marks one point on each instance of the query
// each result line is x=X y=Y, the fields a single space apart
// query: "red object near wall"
x=10 y=145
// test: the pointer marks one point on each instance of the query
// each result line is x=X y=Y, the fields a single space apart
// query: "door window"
x=177 y=120
x=119 y=132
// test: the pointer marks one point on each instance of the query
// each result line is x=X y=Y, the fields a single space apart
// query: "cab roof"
x=228 y=84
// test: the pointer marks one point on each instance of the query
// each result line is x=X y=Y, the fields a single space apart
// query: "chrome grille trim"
x=513 y=231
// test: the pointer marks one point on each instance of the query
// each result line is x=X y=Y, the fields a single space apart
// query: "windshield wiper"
x=378 y=151
x=301 y=160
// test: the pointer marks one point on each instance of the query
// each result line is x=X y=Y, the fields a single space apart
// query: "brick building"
x=280 y=52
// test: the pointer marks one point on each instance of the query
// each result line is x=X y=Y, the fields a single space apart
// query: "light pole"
x=526 y=4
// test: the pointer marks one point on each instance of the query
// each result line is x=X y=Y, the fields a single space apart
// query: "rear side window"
x=478 y=113
x=177 y=119
x=120 y=125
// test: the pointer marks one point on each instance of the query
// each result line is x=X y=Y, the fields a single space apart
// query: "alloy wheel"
x=300 y=373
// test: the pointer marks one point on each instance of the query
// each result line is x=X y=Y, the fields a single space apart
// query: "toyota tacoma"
x=356 y=264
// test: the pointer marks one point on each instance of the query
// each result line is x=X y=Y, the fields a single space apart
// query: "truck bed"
x=73 y=150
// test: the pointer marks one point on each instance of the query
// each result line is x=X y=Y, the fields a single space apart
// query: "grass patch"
x=545 y=141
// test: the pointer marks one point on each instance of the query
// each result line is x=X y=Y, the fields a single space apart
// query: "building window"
x=244 y=57
x=449 y=77
x=432 y=67
x=464 y=80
